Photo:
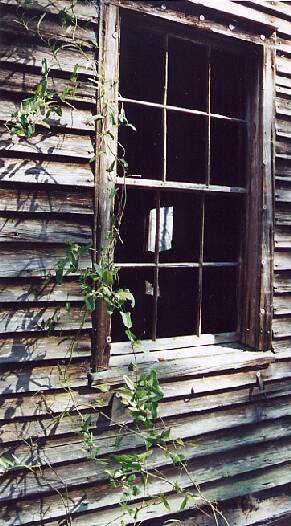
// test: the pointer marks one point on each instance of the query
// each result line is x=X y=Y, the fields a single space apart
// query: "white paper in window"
x=166 y=229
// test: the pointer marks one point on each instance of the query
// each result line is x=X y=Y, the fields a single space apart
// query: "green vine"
x=36 y=110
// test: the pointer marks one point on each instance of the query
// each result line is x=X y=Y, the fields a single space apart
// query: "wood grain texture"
x=71 y=119
x=32 y=319
x=23 y=200
x=18 y=170
x=26 y=262
x=83 y=10
x=38 y=348
x=48 y=28
x=32 y=55
x=107 y=104
x=43 y=231
x=49 y=143
x=24 y=82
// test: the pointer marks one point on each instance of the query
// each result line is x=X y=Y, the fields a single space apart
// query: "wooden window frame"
x=257 y=274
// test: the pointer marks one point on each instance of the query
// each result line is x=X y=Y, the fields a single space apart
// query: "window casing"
x=186 y=251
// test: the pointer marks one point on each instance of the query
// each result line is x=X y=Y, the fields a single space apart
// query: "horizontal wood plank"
x=48 y=143
x=40 y=172
x=38 y=261
x=18 y=350
x=49 y=28
x=282 y=327
x=37 y=290
x=35 y=319
x=82 y=10
x=43 y=231
x=32 y=55
x=71 y=119
x=24 y=83
x=34 y=201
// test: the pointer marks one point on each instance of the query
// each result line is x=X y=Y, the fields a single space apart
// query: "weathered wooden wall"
x=238 y=441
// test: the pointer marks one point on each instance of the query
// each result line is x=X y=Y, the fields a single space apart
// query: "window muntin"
x=186 y=157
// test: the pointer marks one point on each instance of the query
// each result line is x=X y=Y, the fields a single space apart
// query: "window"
x=195 y=248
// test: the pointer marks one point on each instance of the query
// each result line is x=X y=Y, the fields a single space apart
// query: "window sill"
x=182 y=363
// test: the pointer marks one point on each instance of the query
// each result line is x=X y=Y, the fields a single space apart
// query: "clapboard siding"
x=237 y=439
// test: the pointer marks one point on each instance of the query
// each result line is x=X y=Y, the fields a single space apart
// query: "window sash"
x=256 y=297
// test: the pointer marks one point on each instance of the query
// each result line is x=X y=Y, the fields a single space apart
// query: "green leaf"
x=126 y=319
x=44 y=67
x=90 y=302
x=165 y=502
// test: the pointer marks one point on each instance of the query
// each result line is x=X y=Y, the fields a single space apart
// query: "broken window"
x=184 y=243
x=196 y=242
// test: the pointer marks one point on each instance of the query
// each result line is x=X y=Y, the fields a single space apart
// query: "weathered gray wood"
x=48 y=29
x=282 y=282
x=32 y=319
x=191 y=366
x=36 y=171
x=36 y=290
x=82 y=10
x=175 y=343
x=283 y=65
x=282 y=304
x=23 y=82
x=231 y=488
x=254 y=510
x=185 y=426
x=283 y=128
x=283 y=107
x=33 y=54
x=282 y=239
x=282 y=348
x=240 y=12
x=43 y=230
x=281 y=327
x=256 y=299
x=282 y=261
x=107 y=104
x=63 y=450
x=283 y=193
x=283 y=215
x=212 y=469
x=213 y=27
x=18 y=350
x=64 y=144
x=71 y=119
x=38 y=379
x=26 y=262
x=42 y=201
x=139 y=183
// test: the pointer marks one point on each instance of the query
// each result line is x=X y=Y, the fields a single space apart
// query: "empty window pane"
x=186 y=227
x=186 y=147
x=227 y=84
x=177 y=302
x=140 y=283
x=142 y=58
x=133 y=246
x=219 y=300
x=227 y=153
x=187 y=80
x=223 y=228
x=143 y=148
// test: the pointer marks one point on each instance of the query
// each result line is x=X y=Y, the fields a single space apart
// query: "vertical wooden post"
x=105 y=167
x=258 y=266
x=268 y=184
